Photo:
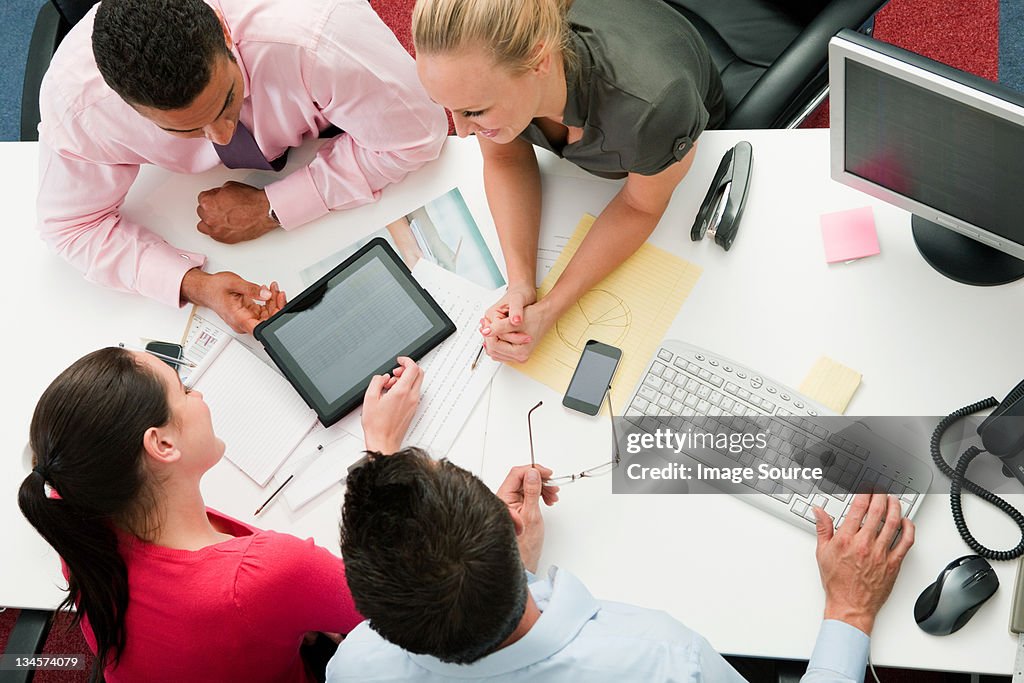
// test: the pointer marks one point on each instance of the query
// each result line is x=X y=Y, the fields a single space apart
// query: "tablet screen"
x=351 y=325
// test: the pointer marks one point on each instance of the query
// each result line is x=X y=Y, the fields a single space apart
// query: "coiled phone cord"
x=959 y=480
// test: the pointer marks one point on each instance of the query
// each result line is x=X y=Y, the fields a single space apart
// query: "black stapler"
x=722 y=208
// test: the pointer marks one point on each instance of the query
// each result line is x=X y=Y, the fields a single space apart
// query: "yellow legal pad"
x=632 y=309
x=831 y=384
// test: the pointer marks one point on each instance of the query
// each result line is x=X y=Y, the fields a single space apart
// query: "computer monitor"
x=943 y=144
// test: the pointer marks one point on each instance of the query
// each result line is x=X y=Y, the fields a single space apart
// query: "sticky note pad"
x=831 y=384
x=849 y=234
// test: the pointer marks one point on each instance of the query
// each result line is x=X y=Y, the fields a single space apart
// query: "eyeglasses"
x=597 y=471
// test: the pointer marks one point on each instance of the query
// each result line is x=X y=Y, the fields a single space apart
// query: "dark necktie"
x=243 y=152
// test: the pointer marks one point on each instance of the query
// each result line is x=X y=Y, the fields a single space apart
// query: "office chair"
x=27 y=638
x=53 y=22
x=773 y=54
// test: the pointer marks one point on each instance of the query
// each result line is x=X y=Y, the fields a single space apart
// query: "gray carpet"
x=17 y=17
x=1011 y=47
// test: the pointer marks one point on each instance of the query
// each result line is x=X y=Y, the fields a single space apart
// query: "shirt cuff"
x=841 y=648
x=296 y=199
x=161 y=270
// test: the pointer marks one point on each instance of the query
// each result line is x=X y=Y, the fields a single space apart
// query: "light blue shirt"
x=579 y=638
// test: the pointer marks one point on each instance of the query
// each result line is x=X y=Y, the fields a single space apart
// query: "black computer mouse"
x=962 y=587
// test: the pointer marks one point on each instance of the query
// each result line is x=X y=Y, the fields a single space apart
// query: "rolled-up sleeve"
x=365 y=83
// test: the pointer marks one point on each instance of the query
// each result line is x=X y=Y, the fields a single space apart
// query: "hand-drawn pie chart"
x=600 y=315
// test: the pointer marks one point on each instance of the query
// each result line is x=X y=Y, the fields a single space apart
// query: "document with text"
x=451 y=389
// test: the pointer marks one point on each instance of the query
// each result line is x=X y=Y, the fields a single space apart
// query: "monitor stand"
x=963 y=259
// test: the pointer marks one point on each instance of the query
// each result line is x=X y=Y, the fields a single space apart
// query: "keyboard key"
x=665 y=355
x=657 y=369
x=704 y=374
x=654 y=382
x=640 y=403
x=669 y=375
x=664 y=401
x=716 y=380
x=727 y=404
x=715 y=398
x=703 y=407
x=691 y=400
x=648 y=393
x=676 y=408
x=680 y=363
x=703 y=392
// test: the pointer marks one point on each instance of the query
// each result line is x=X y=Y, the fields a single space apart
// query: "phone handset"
x=1002 y=435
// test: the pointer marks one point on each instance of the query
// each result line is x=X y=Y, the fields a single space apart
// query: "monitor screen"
x=959 y=159
x=940 y=143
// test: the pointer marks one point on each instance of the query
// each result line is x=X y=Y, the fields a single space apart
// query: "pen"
x=169 y=359
x=477 y=359
x=291 y=476
x=277 y=491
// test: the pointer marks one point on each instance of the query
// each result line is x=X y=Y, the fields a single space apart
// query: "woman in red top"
x=167 y=589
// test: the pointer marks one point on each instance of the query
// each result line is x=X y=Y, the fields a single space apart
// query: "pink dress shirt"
x=306 y=65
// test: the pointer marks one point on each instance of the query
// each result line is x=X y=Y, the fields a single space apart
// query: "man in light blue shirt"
x=435 y=561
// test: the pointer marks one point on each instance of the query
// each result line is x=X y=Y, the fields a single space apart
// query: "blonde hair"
x=510 y=30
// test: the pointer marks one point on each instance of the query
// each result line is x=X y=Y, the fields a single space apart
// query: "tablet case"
x=329 y=415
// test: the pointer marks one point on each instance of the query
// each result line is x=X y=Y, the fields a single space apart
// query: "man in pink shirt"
x=188 y=85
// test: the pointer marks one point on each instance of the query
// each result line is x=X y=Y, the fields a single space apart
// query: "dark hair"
x=157 y=53
x=431 y=557
x=86 y=439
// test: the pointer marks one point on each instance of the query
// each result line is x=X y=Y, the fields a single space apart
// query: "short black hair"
x=157 y=53
x=431 y=557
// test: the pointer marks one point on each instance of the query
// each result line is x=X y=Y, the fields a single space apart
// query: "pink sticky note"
x=849 y=234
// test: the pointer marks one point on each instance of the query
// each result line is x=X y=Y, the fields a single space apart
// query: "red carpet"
x=961 y=33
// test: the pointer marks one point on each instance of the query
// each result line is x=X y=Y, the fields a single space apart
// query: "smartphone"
x=166 y=349
x=592 y=377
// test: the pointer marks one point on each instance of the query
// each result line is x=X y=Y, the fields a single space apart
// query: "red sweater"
x=233 y=611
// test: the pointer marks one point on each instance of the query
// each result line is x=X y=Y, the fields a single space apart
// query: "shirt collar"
x=569 y=608
x=577 y=84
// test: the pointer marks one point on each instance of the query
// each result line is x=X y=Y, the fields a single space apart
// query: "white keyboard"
x=688 y=386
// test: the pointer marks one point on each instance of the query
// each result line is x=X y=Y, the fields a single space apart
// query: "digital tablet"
x=350 y=325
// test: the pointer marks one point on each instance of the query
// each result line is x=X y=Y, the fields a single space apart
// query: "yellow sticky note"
x=631 y=308
x=831 y=384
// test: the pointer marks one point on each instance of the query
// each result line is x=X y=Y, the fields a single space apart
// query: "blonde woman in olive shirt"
x=621 y=89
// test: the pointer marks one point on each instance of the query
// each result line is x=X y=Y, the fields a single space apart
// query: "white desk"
x=746 y=581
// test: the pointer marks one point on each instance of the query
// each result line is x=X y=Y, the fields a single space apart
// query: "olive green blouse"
x=643 y=88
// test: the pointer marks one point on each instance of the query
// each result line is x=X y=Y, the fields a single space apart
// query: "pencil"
x=477 y=359
x=276 y=491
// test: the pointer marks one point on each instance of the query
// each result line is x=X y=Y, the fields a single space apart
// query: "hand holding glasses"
x=597 y=471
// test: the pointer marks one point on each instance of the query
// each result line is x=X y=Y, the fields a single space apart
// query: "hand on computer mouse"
x=858 y=561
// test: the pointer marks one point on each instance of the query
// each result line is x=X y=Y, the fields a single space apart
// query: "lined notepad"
x=255 y=411
x=831 y=384
x=632 y=308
